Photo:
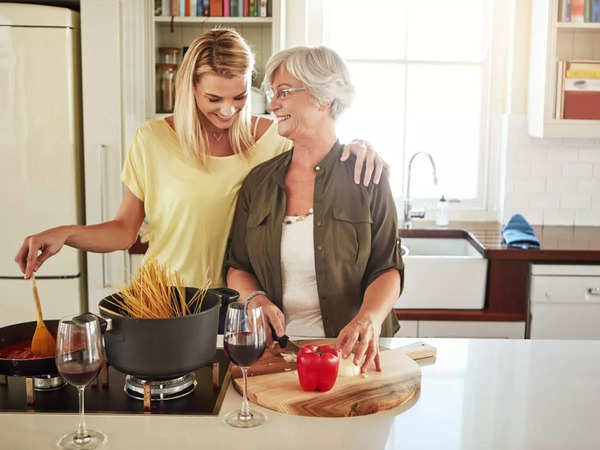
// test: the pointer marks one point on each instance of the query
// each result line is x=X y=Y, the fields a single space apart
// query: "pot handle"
x=105 y=324
x=227 y=296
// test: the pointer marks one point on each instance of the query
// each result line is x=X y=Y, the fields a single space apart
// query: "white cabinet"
x=565 y=301
x=461 y=329
x=552 y=41
x=408 y=328
x=470 y=329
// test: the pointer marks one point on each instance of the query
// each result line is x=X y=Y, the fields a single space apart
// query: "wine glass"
x=245 y=340
x=79 y=358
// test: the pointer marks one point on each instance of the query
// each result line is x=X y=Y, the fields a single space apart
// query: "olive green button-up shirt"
x=355 y=235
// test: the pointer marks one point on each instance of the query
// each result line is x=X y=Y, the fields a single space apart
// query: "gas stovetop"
x=202 y=396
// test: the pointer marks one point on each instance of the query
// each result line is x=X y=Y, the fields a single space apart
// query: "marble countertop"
x=479 y=394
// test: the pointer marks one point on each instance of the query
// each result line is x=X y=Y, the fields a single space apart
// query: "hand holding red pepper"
x=317 y=367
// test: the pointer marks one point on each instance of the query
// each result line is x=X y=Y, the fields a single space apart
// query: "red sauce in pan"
x=21 y=350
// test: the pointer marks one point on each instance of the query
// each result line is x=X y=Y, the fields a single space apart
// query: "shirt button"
x=320 y=247
x=317 y=168
x=319 y=223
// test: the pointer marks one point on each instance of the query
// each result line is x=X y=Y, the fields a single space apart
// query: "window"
x=421 y=72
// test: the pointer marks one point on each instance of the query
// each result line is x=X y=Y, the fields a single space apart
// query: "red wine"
x=244 y=348
x=78 y=374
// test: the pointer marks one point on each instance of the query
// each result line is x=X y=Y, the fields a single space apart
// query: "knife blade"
x=284 y=344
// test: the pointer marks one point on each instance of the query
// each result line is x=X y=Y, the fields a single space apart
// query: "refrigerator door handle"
x=103 y=153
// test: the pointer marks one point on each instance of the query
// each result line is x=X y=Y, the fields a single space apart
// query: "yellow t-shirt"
x=189 y=211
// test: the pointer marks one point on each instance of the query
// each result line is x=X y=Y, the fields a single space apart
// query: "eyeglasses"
x=282 y=93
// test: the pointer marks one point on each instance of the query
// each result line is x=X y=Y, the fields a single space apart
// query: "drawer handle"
x=594 y=291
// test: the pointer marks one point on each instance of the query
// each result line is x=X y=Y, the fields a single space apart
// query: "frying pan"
x=38 y=367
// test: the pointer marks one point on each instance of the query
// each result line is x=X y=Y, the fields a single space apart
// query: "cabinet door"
x=565 y=302
x=102 y=124
x=408 y=328
x=467 y=329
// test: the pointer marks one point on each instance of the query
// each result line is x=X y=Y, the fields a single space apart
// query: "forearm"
x=243 y=282
x=100 y=238
x=380 y=296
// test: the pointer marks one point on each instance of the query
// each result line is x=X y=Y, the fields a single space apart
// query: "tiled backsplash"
x=551 y=181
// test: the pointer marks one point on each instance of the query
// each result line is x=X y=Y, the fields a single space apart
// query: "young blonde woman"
x=183 y=173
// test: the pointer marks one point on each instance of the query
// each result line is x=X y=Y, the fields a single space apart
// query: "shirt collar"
x=322 y=166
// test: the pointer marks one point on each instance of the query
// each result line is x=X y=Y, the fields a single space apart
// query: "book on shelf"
x=234 y=7
x=582 y=84
x=582 y=105
x=579 y=11
x=565 y=10
x=578 y=90
x=214 y=8
x=572 y=73
x=263 y=8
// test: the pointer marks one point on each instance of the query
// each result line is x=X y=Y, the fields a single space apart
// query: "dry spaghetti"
x=157 y=293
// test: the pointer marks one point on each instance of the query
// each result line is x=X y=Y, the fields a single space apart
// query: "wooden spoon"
x=43 y=343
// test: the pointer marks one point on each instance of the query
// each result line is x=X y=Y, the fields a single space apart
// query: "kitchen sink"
x=444 y=269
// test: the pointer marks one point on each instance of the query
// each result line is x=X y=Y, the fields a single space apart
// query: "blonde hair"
x=222 y=52
x=321 y=70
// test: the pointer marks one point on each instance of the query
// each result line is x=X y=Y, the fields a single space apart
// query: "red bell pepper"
x=317 y=367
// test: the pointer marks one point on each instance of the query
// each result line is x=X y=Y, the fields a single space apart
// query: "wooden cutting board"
x=275 y=385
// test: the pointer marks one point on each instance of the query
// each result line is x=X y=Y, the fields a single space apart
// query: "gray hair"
x=321 y=70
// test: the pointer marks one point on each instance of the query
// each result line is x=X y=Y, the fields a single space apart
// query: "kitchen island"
x=478 y=394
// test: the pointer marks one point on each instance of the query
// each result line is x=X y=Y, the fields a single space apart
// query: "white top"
x=492 y=394
x=300 y=298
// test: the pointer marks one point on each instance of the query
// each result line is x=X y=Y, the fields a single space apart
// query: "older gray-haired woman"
x=323 y=249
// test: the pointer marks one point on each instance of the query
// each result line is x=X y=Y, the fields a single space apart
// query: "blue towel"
x=518 y=233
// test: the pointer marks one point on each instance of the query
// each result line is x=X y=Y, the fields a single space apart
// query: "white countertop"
x=479 y=394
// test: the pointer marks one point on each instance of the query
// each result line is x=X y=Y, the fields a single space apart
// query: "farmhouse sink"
x=444 y=269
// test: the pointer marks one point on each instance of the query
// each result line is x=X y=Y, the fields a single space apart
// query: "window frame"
x=493 y=63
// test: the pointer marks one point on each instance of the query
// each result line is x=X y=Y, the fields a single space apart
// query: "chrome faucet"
x=409 y=213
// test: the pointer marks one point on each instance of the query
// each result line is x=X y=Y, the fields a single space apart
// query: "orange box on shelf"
x=584 y=105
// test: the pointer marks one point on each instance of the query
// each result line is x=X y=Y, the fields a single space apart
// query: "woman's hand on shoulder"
x=273 y=316
x=367 y=158
x=361 y=337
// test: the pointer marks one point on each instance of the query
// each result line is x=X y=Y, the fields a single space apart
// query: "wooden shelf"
x=203 y=19
x=578 y=25
x=565 y=128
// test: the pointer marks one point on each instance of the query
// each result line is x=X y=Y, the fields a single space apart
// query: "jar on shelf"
x=168 y=55
x=165 y=87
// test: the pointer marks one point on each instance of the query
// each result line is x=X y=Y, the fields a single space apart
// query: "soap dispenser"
x=441 y=219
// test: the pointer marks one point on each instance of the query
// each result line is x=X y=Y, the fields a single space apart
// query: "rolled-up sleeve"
x=237 y=251
x=385 y=244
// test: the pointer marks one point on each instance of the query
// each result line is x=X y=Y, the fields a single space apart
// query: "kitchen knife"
x=284 y=345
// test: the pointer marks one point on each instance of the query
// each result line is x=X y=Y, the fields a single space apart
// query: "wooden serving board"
x=399 y=381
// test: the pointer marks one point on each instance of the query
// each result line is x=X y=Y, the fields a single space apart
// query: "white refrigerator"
x=41 y=174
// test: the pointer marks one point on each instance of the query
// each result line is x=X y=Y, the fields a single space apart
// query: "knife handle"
x=283 y=340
